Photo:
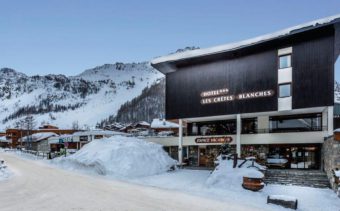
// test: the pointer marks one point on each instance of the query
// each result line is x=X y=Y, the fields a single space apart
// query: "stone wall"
x=331 y=158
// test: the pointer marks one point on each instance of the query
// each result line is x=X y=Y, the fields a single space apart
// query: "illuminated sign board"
x=222 y=95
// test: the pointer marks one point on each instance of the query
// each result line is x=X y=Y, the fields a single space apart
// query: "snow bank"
x=4 y=171
x=119 y=156
x=227 y=177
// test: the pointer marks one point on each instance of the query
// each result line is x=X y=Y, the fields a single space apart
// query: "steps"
x=308 y=178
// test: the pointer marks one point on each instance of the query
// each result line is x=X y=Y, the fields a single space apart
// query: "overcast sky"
x=69 y=36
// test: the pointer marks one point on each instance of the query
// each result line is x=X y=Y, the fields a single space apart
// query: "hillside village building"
x=271 y=97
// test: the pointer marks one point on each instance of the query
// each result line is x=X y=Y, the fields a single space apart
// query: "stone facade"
x=331 y=158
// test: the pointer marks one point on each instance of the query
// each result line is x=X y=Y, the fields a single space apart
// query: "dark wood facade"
x=255 y=68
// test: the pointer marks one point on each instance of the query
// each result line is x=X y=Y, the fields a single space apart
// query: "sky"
x=70 y=36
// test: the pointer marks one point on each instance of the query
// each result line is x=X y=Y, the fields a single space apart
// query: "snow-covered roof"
x=98 y=132
x=245 y=43
x=337 y=130
x=162 y=123
x=3 y=139
x=144 y=123
x=36 y=137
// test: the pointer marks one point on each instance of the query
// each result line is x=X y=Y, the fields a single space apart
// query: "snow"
x=228 y=177
x=3 y=139
x=277 y=160
x=337 y=173
x=119 y=156
x=144 y=123
x=195 y=183
x=237 y=45
x=283 y=197
x=99 y=132
x=337 y=130
x=5 y=173
x=162 y=123
x=36 y=137
x=28 y=91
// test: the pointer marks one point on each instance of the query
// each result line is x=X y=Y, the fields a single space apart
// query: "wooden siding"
x=313 y=73
x=245 y=74
x=254 y=69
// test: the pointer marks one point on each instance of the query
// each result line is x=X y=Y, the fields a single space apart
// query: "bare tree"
x=75 y=125
x=29 y=125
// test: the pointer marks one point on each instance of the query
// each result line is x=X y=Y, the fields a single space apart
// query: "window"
x=296 y=123
x=284 y=90
x=223 y=127
x=83 y=138
x=249 y=125
x=285 y=61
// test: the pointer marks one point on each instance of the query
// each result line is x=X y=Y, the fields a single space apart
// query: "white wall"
x=264 y=138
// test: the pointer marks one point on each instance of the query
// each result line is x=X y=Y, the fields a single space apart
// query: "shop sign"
x=222 y=95
x=213 y=140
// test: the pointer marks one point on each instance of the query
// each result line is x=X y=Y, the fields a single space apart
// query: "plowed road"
x=36 y=186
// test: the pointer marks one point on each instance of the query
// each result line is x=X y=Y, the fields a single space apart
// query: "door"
x=202 y=157
x=304 y=157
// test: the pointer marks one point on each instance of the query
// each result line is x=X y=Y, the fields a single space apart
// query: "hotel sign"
x=222 y=95
x=214 y=140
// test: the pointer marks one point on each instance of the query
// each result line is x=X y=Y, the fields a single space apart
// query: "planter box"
x=253 y=184
x=337 y=136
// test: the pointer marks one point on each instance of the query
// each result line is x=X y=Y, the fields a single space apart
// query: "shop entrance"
x=303 y=158
x=208 y=155
x=294 y=156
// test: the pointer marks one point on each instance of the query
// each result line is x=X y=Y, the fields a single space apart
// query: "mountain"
x=147 y=106
x=87 y=98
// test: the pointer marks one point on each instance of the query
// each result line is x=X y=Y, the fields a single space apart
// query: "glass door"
x=297 y=158
x=304 y=158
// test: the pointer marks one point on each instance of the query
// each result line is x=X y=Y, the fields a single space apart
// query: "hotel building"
x=271 y=97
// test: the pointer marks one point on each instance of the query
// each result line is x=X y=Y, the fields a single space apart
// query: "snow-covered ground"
x=38 y=186
x=224 y=184
x=134 y=161
x=5 y=173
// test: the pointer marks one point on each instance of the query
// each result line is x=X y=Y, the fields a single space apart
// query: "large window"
x=249 y=125
x=285 y=61
x=284 y=90
x=296 y=123
x=224 y=127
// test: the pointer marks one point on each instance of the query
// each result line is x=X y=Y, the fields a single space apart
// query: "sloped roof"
x=36 y=137
x=242 y=44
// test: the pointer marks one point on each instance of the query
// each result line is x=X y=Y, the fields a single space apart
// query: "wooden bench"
x=284 y=201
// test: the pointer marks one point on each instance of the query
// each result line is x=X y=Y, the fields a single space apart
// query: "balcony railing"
x=268 y=130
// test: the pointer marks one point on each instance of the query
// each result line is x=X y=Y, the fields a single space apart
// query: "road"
x=38 y=186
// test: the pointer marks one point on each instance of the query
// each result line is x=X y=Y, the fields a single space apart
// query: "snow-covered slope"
x=87 y=98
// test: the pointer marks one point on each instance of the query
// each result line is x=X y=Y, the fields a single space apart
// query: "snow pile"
x=227 y=177
x=4 y=172
x=119 y=156
x=337 y=173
